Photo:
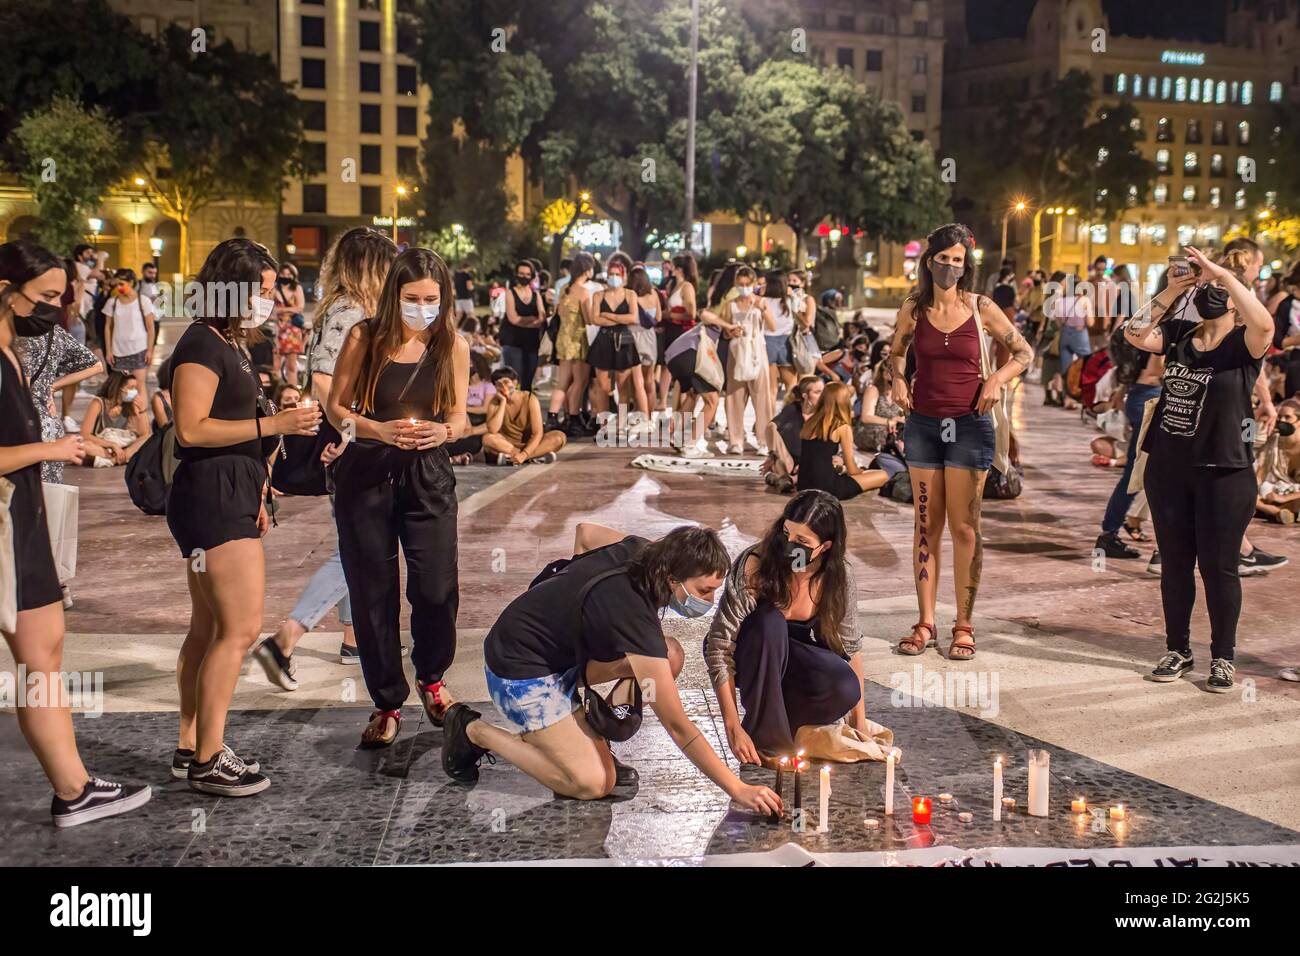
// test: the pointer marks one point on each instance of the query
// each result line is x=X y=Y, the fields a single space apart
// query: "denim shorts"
x=534 y=703
x=778 y=350
x=964 y=441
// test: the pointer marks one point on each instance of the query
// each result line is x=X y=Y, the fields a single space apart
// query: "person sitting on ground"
x=599 y=616
x=1277 y=466
x=462 y=450
x=781 y=465
x=514 y=432
x=160 y=404
x=786 y=633
x=286 y=395
x=881 y=417
x=827 y=446
x=114 y=426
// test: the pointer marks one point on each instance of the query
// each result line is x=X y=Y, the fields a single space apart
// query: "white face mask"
x=744 y=291
x=418 y=317
x=129 y=395
x=262 y=309
x=616 y=282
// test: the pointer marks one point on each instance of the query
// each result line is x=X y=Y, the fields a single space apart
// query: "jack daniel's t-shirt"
x=1205 y=413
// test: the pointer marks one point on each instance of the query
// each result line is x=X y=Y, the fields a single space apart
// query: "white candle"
x=1039 y=763
x=997 y=789
x=965 y=816
x=824 y=810
x=945 y=798
x=871 y=823
x=889 y=783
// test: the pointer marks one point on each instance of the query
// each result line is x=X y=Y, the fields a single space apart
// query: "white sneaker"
x=103 y=463
x=700 y=449
x=735 y=448
x=70 y=426
x=753 y=446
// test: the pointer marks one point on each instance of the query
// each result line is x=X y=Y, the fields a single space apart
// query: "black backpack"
x=150 y=470
x=826 y=328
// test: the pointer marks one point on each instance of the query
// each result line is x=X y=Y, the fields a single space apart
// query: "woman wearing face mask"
x=614 y=354
x=751 y=316
x=129 y=331
x=784 y=440
x=786 y=633
x=290 y=325
x=114 y=427
x=781 y=306
x=682 y=290
x=598 y=616
x=644 y=334
x=1277 y=467
x=880 y=418
x=401 y=388
x=521 y=332
x=571 y=348
x=1199 y=479
x=216 y=507
x=826 y=454
x=32 y=280
x=949 y=433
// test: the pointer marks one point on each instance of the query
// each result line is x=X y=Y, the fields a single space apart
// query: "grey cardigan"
x=737 y=604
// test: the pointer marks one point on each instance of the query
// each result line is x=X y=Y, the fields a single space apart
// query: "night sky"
x=1184 y=20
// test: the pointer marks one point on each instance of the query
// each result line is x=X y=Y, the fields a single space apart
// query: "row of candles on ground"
x=922 y=808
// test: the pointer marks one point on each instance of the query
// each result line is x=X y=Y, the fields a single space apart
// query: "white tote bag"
x=749 y=351
x=61 y=507
x=707 y=364
x=8 y=566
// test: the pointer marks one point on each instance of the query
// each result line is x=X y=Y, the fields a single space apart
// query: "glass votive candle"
x=921 y=811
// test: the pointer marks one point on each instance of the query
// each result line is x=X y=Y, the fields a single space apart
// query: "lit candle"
x=798 y=783
x=945 y=798
x=921 y=811
x=1008 y=804
x=965 y=816
x=1118 y=812
x=889 y=783
x=1079 y=805
x=871 y=823
x=997 y=789
x=1039 y=779
x=824 y=810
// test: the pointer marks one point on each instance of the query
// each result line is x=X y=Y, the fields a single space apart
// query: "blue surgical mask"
x=616 y=282
x=692 y=607
x=129 y=395
x=418 y=316
x=744 y=291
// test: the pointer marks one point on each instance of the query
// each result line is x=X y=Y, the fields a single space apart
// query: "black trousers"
x=786 y=681
x=385 y=496
x=1200 y=516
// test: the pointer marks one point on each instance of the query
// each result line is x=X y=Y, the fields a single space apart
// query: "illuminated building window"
x=1247 y=93
x=1128 y=234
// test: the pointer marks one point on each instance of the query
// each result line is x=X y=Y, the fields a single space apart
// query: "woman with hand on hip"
x=949 y=433
x=400 y=390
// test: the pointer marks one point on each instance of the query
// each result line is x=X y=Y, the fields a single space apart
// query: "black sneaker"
x=225 y=775
x=349 y=654
x=1172 y=666
x=1221 y=673
x=1109 y=544
x=181 y=760
x=99 y=799
x=460 y=756
x=1153 y=566
x=280 y=668
x=1259 y=562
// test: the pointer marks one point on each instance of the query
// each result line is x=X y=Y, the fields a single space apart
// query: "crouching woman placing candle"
x=595 y=619
x=786 y=633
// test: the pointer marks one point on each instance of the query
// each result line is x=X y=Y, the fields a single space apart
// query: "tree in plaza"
x=222 y=126
x=1273 y=186
x=71 y=160
x=557 y=221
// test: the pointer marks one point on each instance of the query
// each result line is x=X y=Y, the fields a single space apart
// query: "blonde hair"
x=355 y=268
x=1237 y=261
x=833 y=411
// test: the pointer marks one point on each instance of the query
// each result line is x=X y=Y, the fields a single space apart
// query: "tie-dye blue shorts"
x=534 y=703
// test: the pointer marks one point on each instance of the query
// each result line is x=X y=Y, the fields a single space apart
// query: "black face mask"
x=1285 y=429
x=799 y=555
x=1211 y=301
x=945 y=276
x=40 y=322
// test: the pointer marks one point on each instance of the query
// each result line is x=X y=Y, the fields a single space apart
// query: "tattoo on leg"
x=922 y=544
x=977 y=556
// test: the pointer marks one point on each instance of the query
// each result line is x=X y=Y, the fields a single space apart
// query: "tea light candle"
x=1008 y=804
x=921 y=811
x=889 y=782
x=1079 y=805
x=1118 y=812
x=965 y=816
x=871 y=823
x=997 y=789
x=824 y=808
x=945 y=798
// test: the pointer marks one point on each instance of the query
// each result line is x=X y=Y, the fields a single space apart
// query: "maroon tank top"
x=947 y=382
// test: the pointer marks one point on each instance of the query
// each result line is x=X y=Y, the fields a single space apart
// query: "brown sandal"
x=912 y=645
x=376 y=734
x=966 y=645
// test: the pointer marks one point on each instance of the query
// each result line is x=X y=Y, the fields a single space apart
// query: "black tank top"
x=528 y=339
x=418 y=402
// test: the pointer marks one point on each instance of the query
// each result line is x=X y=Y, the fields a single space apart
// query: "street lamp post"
x=398 y=192
x=693 y=86
x=1018 y=207
x=457 y=229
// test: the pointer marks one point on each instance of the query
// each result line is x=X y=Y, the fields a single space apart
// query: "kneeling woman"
x=786 y=634
x=600 y=612
x=406 y=374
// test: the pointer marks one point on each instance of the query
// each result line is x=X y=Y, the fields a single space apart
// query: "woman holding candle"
x=593 y=619
x=406 y=374
x=786 y=633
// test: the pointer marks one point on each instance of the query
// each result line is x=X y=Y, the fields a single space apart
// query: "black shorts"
x=38 y=580
x=614 y=350
x=215 y=500
x=682 y=369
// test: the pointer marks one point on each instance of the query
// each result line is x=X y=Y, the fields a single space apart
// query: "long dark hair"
x=582 y=262
x=775 y=289
x=824 y=515
x=685 y=552
x=111 y=390
x=952 y=234
x=21 y=262
x=232 y=267
x=725 y=281
x=686 y=262
x=385 y=336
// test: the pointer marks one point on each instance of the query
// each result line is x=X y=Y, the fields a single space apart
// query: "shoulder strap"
x=577 y=630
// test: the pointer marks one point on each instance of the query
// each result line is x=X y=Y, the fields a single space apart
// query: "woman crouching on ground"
x=786 y=634
x=600 y=612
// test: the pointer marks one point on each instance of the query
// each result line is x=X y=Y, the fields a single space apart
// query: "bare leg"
x=37 y=645
x=194 y=649
x=928 y=506
x=964 y=489
x=578 y=379
x=568 y=757
x=560 y=393
x=552 y=441
x=871 y=479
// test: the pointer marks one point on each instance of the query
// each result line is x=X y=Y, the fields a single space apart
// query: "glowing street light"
x=398 y=192
x=1018 y=207
x=741 y=251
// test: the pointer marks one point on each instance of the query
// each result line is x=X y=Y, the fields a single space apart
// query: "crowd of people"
x=406 y=375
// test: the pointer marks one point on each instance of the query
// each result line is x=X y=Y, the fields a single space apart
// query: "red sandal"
x=968 y=645
x=912 y=645
x=431 y=695
x=377 y=735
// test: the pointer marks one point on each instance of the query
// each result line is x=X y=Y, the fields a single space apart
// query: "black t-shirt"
x=1205 y=401
x=237 y=389
x=788 y=425
x=535 y=634
x=461 y=279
